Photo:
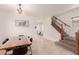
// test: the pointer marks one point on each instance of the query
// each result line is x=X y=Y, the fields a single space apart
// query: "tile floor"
x=47 y=47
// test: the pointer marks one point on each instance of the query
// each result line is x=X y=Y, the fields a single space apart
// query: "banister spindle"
x=62 y=32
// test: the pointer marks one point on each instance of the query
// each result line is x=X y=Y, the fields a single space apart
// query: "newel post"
x=62 y=32
x=77 y=42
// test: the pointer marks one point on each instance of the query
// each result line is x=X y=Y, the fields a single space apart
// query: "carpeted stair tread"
x=70 y=39
x=66 y=46
x=69 y=42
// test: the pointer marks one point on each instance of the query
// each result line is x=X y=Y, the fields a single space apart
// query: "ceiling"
x=38 y=9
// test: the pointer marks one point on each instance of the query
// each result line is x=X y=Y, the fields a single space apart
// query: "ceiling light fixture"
x=19 y=9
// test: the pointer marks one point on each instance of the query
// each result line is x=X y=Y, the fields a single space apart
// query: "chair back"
x=31 y=39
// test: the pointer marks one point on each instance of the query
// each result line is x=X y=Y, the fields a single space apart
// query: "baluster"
x=62 y=32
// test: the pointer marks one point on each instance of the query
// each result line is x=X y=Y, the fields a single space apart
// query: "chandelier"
x=19 y=9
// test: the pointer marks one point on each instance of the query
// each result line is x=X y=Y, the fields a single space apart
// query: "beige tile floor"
x=43 y=46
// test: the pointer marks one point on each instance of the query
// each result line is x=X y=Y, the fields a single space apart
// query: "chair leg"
x=29 y=50
x=5 y=53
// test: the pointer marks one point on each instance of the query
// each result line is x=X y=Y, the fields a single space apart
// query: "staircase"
x=68 y=42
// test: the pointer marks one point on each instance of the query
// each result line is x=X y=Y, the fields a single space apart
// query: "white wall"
x=49 y=31
x=66 y=17
x=8 y=28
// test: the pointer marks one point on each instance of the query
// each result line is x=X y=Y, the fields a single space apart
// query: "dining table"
x=14 y=42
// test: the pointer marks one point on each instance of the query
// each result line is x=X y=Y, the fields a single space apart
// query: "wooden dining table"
x=15 y=42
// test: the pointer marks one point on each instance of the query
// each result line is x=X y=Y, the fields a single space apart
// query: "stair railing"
x=60 y=21
x=56 y=25
x=62 y=25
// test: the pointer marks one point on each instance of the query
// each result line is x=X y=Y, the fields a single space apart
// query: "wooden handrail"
x=61 y=21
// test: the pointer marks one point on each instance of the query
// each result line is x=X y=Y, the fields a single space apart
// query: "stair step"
x=66 y=35
x=69 y=43
x=70 y=39
x=66 y=46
